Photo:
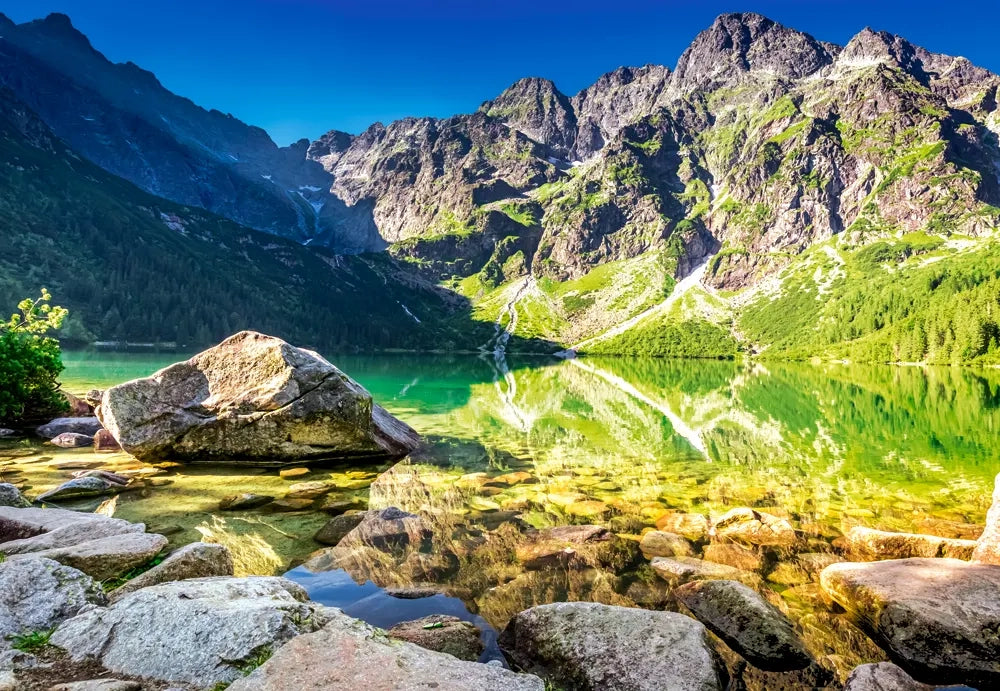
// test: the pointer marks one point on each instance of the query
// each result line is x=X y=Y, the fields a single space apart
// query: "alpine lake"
x=522 y=445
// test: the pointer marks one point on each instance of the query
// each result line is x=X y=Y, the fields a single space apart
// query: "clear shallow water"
x=617 y=442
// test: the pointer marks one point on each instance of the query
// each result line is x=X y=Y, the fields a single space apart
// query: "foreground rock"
x=71 y=425
x=443 y=633
x=937 y=618
x=988 y=546
x=747 y=623
x=99 y=546
x=588 y=646
x=882 y=676
x=252 y=398
x=869 y=544
x=11 y=496
x=349 y=654
x=38 y=594
x=204 y=631
x=196 y=560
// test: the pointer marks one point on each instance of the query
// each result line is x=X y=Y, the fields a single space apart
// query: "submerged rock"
x=693 y=526
x=754 y=527
x=244 y=502
x=38 y=594
x=203 y=631
x=254 y=399
x=349 y=654
x=657 y=543
x=590 y=647
x=336 y=528
x=866 y=543
x=747 y=623
x=680 y=570
x=87 y=486
x=443 y=633
x=72 y=440
x=386 y=530
x=73 y=425
x=937 y=618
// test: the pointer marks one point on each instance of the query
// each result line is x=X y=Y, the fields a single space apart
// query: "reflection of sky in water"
x=372 y=604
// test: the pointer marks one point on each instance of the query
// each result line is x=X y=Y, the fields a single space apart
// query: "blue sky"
x=301 y=67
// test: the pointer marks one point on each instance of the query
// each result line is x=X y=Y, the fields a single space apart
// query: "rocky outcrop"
x=866 y=544
x=196 y=560
x=987 y=549
x=162 y=632
x=589 y=646
x=99 y=546
x=443 y=633
x=38 y=594
x=348 y=654
x=936 y=618
x=747 y=623
x=253 y=399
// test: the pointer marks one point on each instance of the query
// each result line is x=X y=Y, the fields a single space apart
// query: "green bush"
x=30 y=361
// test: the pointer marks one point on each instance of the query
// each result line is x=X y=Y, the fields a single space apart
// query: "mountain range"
x=773 y=193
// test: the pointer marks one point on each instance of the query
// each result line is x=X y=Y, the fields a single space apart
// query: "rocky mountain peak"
x=329 y=148
x=737 y=44
x=537 y=108
x=59 y=26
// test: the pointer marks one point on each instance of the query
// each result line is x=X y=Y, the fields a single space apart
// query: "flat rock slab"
x=443 y=633
x=937 y=618
x=100 y=546
x=593 y=647
x=680 y=570
x=349 y=654
x=203 y=631
x=866 y=543
x=252 y=399
x=38 y=594
x=747 y=623
x=196 y=560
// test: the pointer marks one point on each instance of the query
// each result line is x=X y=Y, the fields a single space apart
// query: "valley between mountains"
x=772 y=194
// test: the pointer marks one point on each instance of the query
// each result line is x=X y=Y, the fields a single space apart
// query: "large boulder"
x=988 y=546
x=443 y=633
x=203 y=631
x=747 y=623
x=69 y=425
x=196 y=560
x=590 y=647
x=252 y=398
x=937 y=618
x=38 y=594
x=869 y=544
x=100 y=546
x=349 y=654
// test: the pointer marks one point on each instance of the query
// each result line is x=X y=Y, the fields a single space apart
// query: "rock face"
x=196 y=560
x=988 y=546
x=38 y=594
x=882 y=676
x=747 y=623
x=589 y=646
x=866 y=543
x=443 y=633
x=201 y=631
x=99 y=546
x=252 y=398
x=348 y=654
x=937 y=618
x=69 y=425
x=11 y=496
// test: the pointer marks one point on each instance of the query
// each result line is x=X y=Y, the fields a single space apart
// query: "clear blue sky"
x=301 y=67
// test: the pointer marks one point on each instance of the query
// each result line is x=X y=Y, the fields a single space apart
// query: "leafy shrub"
x=30 y=361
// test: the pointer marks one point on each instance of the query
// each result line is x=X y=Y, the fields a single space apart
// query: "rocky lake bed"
x=565 y=565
